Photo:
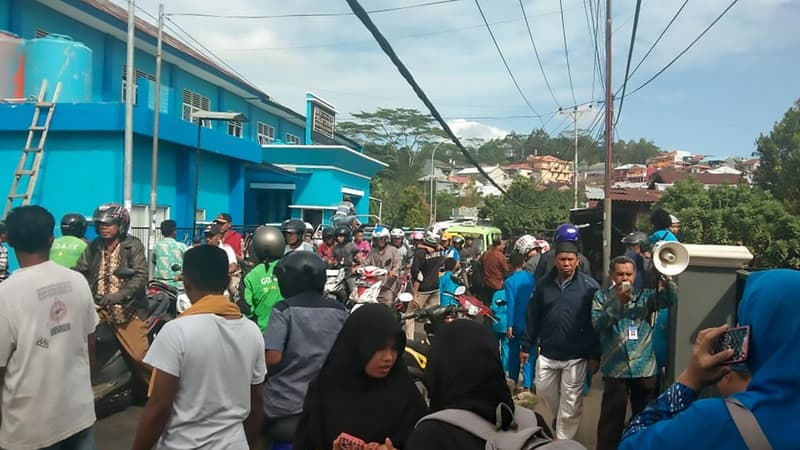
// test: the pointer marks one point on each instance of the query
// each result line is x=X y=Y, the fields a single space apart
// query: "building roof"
x=752 y=162
x=669 y=175
x=518 y=166
x=725 y=170
x=630 y=166
x=474 y=170
x=625 y=195
x=545 y=158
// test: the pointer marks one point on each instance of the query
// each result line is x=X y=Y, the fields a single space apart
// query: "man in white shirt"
x=47 y=324
x=208 y=368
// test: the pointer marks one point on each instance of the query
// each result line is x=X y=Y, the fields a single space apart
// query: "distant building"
x=636 y=173
x=664 y=178
x=495 y=173
x=549 y=169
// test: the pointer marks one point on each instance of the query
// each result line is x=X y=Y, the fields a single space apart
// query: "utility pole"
x=130 y=84
x=575 y=113
x=609 y=141
x=156 y=113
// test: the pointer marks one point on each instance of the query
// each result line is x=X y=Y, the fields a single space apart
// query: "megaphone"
x=670 y=258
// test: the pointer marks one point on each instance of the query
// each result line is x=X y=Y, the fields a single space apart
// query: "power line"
x=503 y=58
x=362 y=15
x=684 y=50
x=287 y=16
x=536 y=52
x=630 y=56
x=663 y=32
x=566 y=50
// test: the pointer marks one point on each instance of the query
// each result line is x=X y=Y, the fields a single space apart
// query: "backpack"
x=524 y=433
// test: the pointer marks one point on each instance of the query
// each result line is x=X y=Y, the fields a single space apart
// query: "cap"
x=567 y=247
x=674 y=219
x=213 y=229
x=224 y=217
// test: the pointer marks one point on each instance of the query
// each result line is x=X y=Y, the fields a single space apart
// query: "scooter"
x=336 y=284
x=113 y=384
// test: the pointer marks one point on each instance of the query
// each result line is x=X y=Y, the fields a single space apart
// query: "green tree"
x=632 y=151
x=537 y=209
x=779 y=152
x=446 y=202
x=739 y=215
x=410 y=209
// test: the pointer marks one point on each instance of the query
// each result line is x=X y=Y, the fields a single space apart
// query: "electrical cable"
x=657 y=74
x=362 y=15
x=566 y=49
x=587 y=14
x=536 y=52
x=630 y=56
x=658 y=39
x=287 y=16
x=505 y=63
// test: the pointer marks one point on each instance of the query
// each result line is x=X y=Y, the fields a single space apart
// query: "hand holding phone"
x=737 y=339
x=706 y=367
x=348 y=442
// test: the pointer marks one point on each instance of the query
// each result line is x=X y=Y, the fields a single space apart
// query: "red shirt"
x=234 y=239
x=495 y=267
x=326 y=252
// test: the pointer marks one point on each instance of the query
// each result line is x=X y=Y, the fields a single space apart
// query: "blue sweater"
x=519 y=290
x=447 y=286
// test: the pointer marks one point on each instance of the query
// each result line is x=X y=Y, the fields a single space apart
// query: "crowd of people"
x=265 y=353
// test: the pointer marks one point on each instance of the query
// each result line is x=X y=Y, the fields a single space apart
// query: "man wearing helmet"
x=454 y=250
x=261 y=291
x=298 y=337
x=527 y=246
x=425 y=267
x=325 y=249
x=384 y=255
x=123 y=303
x=344 y=251
x=70 y=246
x=293 y=231
x=399 y=242
x=566 y=232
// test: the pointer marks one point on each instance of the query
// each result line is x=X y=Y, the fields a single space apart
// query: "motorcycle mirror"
x=176 y=267
x=461 y=290
x=124 y=273
x=406 y=297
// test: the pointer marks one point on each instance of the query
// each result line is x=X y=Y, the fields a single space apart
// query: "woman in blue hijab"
x=677 y=420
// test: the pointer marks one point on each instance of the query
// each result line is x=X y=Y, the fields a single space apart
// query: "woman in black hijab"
x=363 y=389
x=464 y=372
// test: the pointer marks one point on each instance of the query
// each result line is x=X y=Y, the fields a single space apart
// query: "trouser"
x=82 y=440
x=132 y=336
x=282 y=429
x=513 y=362
x=423 y=300
x=502 y=341
x=234 y=285
x=641 y=391
x=559 y=384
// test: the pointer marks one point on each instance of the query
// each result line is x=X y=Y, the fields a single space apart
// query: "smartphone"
x=348 y=442
x=736 y=338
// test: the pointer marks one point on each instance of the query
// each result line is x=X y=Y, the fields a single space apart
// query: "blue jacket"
x=500 y=312
x=447 y=285
x=519 y=290
x=559 y=318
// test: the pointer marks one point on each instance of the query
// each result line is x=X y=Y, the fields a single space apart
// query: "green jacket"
x=261 y=293
x=66 y=250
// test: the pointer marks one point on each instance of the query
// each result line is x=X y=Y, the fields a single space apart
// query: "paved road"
x=117 y=431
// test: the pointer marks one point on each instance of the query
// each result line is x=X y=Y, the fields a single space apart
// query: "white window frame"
x=235 y=128
x=138 y=74
x=192 y=101
x=265 y=133
x=292 y=139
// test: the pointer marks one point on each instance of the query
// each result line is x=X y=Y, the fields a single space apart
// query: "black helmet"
x=293 y=226
x=73 y=224
x=637 y=238
x=328 y=232
x=300 y=272
x=458 y=240
x=344 y=231
x=112 y=213
x=268 y=243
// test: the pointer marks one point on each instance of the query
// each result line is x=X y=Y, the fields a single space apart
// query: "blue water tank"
x=58 y=58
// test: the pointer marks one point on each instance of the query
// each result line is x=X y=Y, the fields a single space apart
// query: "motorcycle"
x=114 y=385
x=336 y=284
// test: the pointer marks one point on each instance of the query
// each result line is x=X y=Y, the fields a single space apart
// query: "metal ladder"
x=26 y=169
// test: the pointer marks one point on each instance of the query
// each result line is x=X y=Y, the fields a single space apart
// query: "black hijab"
x=343 y=398
x=464 y=372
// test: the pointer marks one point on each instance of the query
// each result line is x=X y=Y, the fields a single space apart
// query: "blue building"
x=278 y=164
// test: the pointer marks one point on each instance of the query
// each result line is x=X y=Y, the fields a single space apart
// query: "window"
x=192 y=101
x=139 y=74
x=265 y=133
x=235 y=128
x=292 y=139
x=40 y=33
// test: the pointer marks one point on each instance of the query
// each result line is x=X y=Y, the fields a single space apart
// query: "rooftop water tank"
x=12 y=66
x=58 y=58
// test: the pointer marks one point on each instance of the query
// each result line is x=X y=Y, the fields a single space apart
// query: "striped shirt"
x=626 y=335
x=3 y=262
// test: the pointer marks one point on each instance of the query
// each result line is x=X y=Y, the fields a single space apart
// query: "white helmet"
x=542 y=244
x=309 y=227
x=380 y=232
x=525 y=244
x=430 y=238
x=397 y=233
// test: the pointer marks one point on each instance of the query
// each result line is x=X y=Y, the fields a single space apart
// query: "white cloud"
x=466 y=129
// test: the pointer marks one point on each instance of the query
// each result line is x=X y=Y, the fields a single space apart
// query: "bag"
x=747 y=425
x=476 y=282
x=523 y=434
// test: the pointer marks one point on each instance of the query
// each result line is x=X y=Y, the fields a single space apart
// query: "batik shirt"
x=675 y=399
x=168 y=252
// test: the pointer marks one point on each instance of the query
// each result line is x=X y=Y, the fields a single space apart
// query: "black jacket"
x=561 y=321
x=547 y=263
x=132 y=256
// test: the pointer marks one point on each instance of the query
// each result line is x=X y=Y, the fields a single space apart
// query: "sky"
x=733 y=85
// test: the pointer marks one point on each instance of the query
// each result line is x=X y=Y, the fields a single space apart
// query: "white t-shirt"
x=216 y=361
x=229 y=251
x=46 y=314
